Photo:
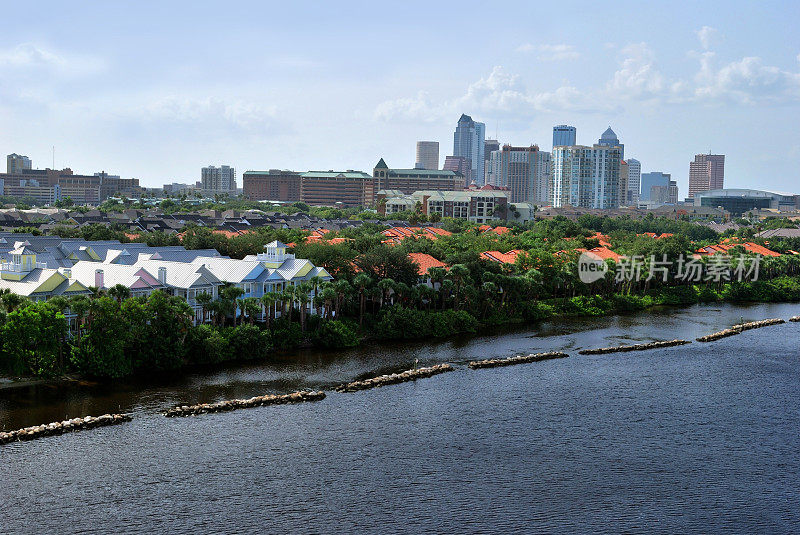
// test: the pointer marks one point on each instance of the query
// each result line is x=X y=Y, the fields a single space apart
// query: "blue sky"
x=156 y=90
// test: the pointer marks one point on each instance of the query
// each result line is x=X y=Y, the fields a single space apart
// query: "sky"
x=157 y=90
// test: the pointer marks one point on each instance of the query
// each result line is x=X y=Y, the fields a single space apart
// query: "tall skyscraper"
x=468 y=142
x=586 y=177
x=564 y=135
x=489 y=146
x=221 y=178
x=634 y=180
x=623 y=183
x=706 y=172
x=16 y=163
x=653 y=179
x=523 y=170
x=610 y=139
x=427 y=155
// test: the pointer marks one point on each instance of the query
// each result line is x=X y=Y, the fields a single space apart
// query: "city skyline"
x=149 y=111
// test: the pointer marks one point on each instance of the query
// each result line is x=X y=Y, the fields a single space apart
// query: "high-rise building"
x=623 y=182
x=651 y=180
x=706 y=172
x=523 y=170
x=272 y=185
x=427 y=155
x=664 y=194
x=634 y=180
x=468 y=142
x=457 y=164
x=221 y=178
x=586 y=177
x=16 y=163
x=489 y=146
x=610 y=139
x=411 y=180
x=564 y=135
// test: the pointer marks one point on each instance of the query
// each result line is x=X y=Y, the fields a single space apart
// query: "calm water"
x=700 y=438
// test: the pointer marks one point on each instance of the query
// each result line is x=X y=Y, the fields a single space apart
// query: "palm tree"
x=342 y=288
x=10 y=301
x=361 y=281
x=459 y=274
x=289 y=296
x=385 y=286
x=120 y=292
x=229 y=296
x=268 y=300
x=252 y=305
x=303 y=298
x=203 y=299
x=329 y=295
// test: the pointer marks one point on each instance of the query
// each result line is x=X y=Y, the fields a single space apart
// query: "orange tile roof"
x=425 y=262
x=504 y=258
x=400 y=233
x=725 y=247
x=603 y=252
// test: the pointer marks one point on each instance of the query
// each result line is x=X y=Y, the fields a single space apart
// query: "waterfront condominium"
x=634 y=180
x=427 y=155
x=586 y=177
x=564 y=135
x=523 y=170
x=706 y=172
x=468 y=142
x=218 y=178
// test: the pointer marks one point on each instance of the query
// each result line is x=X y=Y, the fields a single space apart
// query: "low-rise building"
x=478 y=205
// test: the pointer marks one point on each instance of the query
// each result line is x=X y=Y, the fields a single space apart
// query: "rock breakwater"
x=59 y=428
x=233 y=404
x=519 y=359
x=741 y=327
x=402 y=377
x=634 y=347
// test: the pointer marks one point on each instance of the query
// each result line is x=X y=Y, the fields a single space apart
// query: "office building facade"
x=523 y=170
x=427 y=155
x=17 y=163
x=469 y=142
x=610 y=139
x=653 y=179
x=706 y=172
x=634 y=180
x=564 y=135
x=272 y=185
x=411 y=180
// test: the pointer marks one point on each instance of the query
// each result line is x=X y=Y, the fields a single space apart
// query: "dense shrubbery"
x=334 y=334
x=397 y=322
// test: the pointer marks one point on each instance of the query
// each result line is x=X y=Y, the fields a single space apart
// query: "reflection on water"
x=693 y=438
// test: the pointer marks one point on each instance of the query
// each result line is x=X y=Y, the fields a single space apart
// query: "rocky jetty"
x=519 y=359
x=402 y=377
x=794 y=318
x=59 y=428
x=633 y=347
x=736 y=329
x=233 y=404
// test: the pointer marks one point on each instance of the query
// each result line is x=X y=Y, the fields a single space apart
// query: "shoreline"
x=291 y=356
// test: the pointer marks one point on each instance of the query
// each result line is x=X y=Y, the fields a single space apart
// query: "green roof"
x=334 y=174
x=381 y=165
x=420 y=172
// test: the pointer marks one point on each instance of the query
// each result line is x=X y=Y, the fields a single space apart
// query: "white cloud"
x=558 y=52
x=706 y=34
x=32 y=57
x=747 y=81
x=237 y=113
x=638 y=76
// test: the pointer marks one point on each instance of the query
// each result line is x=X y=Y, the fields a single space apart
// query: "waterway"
x=701 y=438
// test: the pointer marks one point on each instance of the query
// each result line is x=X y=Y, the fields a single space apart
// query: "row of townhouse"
x=270 y=271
